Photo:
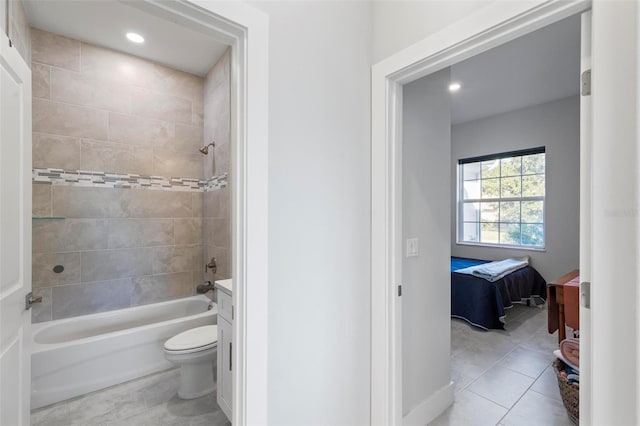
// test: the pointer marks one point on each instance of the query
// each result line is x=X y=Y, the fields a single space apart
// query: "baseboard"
x=430 y=408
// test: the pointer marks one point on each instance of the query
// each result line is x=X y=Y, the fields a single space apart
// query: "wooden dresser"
x=563 y=298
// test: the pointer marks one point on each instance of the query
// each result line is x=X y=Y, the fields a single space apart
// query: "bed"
x=482 y=303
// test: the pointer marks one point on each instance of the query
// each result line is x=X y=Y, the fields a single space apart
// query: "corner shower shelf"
x=47 y=217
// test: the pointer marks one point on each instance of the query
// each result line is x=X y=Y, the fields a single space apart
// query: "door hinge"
x=399 y=290
x=585 y=294
x=586 y=83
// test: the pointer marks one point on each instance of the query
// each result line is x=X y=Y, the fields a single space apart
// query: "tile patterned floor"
x=505 y=377
x=501 y=378
x=149 y=401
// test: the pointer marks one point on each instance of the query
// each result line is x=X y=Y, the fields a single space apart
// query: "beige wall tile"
x=207 y=229
x=217 y=118
x=161 y=107
x=115 y=158
x=168 y=163
x=211 y=201
x=216 y=203
x=126 y=233
x=69 y=235
x=60 y=152
x=69 y=120
x=43 y=264
x=41 y=200
x=86 y=90
x=41 y=312
x=107 y=64
x=88 y=298
x=188 y=139
x=188 y=230
x=162 y=204
x=104 y=265
x=158 y=288
x=197 y=108
x=175 y=259
x=56 y=50
x=221 y=232
x=178 y=83
x=87 y=202
x=221 y=162
x=208 y=165
x=197 y=204
x=122 y=114
x=140 y=131
x=40 y=80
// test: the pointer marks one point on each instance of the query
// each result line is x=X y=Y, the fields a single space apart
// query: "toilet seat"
x=195 y=340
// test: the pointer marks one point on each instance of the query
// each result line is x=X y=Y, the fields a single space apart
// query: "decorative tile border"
x=215 y=182
x=114 y=180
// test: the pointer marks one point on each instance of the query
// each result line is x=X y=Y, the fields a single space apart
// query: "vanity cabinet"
x=225 y=350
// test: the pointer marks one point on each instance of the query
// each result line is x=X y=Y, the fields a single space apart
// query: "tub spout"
x=204 y=288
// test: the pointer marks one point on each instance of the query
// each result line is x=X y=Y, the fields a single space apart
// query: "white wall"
x=555 y=125
x=398 y=24
x=319 y=212
x=426 y=279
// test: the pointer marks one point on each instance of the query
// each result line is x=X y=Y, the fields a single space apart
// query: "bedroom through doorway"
x=500 y=133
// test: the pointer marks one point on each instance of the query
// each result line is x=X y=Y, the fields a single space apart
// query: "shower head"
x=205 y=149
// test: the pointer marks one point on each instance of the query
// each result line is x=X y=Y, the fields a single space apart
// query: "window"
x=501 y=199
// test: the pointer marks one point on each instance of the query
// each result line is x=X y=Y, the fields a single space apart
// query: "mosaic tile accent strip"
x=114 y=180
x=215 y=182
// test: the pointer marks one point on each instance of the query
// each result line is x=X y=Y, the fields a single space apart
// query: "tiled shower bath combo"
x=130 y=202
x=126 y=209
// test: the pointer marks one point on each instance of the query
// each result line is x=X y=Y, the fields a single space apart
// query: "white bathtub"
x=74 y=356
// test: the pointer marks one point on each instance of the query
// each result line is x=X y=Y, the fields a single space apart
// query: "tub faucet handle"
x=30 y=300
x=211 y=265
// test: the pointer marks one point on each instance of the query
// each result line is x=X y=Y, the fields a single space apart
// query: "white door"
x=15 y=235
x=585 y=217
x=615 y=214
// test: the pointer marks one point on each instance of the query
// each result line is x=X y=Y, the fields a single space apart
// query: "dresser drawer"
x=224 y=305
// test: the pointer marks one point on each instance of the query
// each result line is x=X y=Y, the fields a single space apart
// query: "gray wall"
x=319 y=212
x=398 y=24
x=555 y=125
x=425 y=215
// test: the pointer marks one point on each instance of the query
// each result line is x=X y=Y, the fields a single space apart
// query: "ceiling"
x=105 y=23
x=539 y=67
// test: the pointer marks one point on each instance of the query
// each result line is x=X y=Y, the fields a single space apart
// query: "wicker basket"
x=570 y=394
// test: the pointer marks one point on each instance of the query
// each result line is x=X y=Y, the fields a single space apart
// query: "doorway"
x=230 y=25
x=389 y=245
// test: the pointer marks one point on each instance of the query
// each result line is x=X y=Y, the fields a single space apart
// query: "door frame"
x=491 y=26
x=246 y=29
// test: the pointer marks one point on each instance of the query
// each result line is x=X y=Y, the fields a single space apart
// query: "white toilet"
x=194 y=350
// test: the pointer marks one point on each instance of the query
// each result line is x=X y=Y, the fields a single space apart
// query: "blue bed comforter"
x=482 y=303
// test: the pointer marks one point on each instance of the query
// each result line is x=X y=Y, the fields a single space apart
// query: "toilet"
x=194 y=351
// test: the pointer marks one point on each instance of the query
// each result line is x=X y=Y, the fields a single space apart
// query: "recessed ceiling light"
x=135 y=37
x=454 y=87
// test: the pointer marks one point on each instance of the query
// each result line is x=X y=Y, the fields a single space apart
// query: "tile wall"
x=216 y=213
x=95 y=109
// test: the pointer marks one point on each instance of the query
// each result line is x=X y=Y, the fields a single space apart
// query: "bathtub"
x=74 y=356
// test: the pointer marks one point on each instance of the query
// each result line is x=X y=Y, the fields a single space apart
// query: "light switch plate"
x=412 y=247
